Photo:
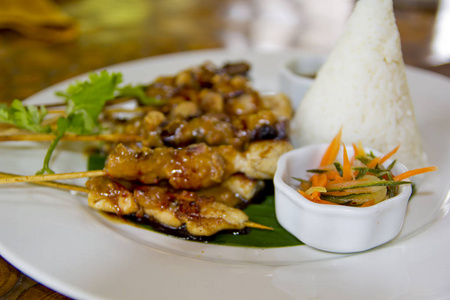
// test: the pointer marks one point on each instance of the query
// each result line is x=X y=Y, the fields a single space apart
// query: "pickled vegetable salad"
x=358 y=181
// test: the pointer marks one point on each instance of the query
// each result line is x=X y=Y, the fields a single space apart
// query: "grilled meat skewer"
x=188 y=124
x=196 y=166
x=201 y=215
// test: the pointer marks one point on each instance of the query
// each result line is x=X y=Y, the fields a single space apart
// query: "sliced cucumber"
x=357 y=196
x=342 y=186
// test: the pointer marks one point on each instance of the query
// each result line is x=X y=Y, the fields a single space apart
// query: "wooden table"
x=118 y=31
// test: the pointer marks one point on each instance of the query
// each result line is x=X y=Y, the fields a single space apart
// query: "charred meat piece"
x=110 y=196
x=214 y=129
x=197 y=96
x=260 y=159
x=205 y=129
x=239 y=68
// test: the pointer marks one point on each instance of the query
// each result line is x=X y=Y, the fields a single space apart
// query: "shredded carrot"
x=368 y=203
x=388 y=155
x=315 y=195
x=355 y=151
x=379 y=160
x=346 y=168
x=304 y=194
x=320 y=201
x=314 y=180
x=411 y=173
x=316 y=200
x=332 y=175
x=332 y=151
x=374 y=162
x=338 y=179
x=361 y=150
x=322 y=180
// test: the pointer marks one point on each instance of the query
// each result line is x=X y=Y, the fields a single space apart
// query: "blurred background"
x=43 y=42
x=92 y=34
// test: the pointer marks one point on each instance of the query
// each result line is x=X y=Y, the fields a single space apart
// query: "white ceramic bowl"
x=334 y=228
x=296 y=75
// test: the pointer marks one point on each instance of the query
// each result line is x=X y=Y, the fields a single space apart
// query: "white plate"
x=53 y=237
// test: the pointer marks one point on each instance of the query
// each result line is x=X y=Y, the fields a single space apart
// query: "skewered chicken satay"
x=228 y=81
x=211 y=105
x=193 y=167
x=199 y=214
x=219 y=129
x=196 y=166
x=214 y=129
x=202 y=215
x=110 y=196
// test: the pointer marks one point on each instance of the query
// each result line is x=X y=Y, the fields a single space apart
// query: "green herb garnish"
x=24 y=117
x=85 y=102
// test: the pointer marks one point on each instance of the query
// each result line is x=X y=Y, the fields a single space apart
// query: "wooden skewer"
x=52 y=184
x=116 y=110
x=55 y=104
x=118 y=100
x=54 y=111
x=49 y=177
x=110 y=102
x=256 y=225
x=124 y=110
x=82 y=138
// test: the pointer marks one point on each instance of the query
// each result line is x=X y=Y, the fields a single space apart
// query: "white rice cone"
x=362 y=86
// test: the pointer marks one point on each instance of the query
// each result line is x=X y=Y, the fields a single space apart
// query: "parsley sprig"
x=85 y=101
x=24 y=117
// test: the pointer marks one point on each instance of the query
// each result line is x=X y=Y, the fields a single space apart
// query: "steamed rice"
x=362 y=87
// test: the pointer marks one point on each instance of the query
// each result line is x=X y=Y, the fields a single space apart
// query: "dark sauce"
x=182 y=233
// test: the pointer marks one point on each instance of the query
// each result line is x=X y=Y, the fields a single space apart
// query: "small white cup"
x=334 y=228
x=297 y=74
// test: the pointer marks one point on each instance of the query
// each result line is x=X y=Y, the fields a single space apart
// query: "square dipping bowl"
x=334 y=228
